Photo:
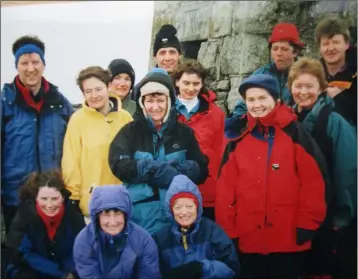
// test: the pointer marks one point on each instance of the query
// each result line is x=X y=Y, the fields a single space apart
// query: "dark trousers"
x=29 y=273
x=334 y=253
x=272 y=266
x=209 y=212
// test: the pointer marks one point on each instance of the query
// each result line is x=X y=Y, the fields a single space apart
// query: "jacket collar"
x=279 y=117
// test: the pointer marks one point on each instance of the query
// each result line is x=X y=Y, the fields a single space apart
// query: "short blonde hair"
x=310 y=66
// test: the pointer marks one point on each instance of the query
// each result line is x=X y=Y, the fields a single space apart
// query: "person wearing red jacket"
x=196 y=108
x=271 y=188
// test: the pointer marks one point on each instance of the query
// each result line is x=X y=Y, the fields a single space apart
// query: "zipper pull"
x=93 y=185
x=185 y=243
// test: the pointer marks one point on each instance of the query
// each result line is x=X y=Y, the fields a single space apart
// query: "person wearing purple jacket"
x=111 y=246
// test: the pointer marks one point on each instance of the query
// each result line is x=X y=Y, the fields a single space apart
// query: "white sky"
x=78 y=35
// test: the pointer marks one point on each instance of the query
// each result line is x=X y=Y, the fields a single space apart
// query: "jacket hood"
x=112 y=97
x=208 y=96
x=161 y=76
x=110 y=196
x=156 y=75
x=280 y=117
x=182 y=183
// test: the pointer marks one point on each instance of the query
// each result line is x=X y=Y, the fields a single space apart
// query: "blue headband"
x=29 y=48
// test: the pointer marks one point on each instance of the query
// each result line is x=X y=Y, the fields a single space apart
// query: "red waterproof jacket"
x=208 y=125
x=270 y=184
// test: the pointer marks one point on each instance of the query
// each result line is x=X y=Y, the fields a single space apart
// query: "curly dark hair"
x=189 y=66
x=94 y=71
x=36 y=180
x=25 y=40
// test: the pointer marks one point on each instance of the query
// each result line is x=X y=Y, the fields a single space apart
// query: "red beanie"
x=183 y=195
x=286 y=32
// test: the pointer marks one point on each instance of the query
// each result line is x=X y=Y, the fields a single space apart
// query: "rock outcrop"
x=233 y=34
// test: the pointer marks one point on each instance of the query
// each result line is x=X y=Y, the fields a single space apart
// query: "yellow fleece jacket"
x=85 y=151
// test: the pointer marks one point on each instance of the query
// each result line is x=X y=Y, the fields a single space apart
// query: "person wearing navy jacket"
x=34 y=117
x=193 y=246
x=111 y=246
x=41 y=237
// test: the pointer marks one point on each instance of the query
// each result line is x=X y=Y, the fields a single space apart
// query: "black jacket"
x=28 y=241
x=346 y=101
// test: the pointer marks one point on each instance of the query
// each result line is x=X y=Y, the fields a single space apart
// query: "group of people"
x=152 y=180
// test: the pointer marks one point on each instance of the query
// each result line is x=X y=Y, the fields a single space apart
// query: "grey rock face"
x=194 y=24
x=233 y=95
x=207 y=54
x=223 y=85
x=235 y=33
x=221 y=19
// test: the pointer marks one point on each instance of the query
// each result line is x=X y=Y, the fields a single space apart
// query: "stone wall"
x=235 y=34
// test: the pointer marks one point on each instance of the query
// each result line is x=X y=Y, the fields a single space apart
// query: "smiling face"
x=120 y=85
x=283 y=55
x=95 y=93
x=112 y=221
x=185 y=211
x=156 y=106
x=30 y=69
x=305 y=90
x=189 y=86
x=259 y=102
x=333 y=50
x=167 y=58
x=49 y=200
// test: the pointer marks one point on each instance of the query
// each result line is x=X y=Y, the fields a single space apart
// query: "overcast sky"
x=78 y=35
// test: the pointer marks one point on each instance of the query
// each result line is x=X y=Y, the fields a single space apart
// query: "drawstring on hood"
x=182 y=186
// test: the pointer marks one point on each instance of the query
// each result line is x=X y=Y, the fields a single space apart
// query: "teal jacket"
x=343 y=158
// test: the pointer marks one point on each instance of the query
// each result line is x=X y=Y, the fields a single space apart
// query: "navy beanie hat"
x=262 y=81
x=166 y=37
x=121 y=66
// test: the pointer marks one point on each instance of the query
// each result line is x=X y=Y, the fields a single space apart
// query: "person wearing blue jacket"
x=111 y=246
x=334 y=249
x=34 y=117
x=41 y=237
x=193 y=246
x=148 y=152
x=284 y=45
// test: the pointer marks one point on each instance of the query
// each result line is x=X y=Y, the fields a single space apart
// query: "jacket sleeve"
x=71 y=159
x=148 y=263
x=86 y=262
x=226 y=263
x=217 y=147
x=196 y=166
x=344 y=152
x=16 y=233
x=240 y=108
x=69 y=107
x=346 y=103
x=78 y=224
x=310 y=165
x=225 y=207
x=121 y=159
x=38 y=262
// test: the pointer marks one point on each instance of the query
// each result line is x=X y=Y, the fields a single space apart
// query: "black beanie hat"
x=166 y=38
x=121 y=66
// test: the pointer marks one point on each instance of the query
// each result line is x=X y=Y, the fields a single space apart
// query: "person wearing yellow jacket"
x=89 y=134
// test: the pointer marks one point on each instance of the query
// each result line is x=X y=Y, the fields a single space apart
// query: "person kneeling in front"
x=111 y=246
